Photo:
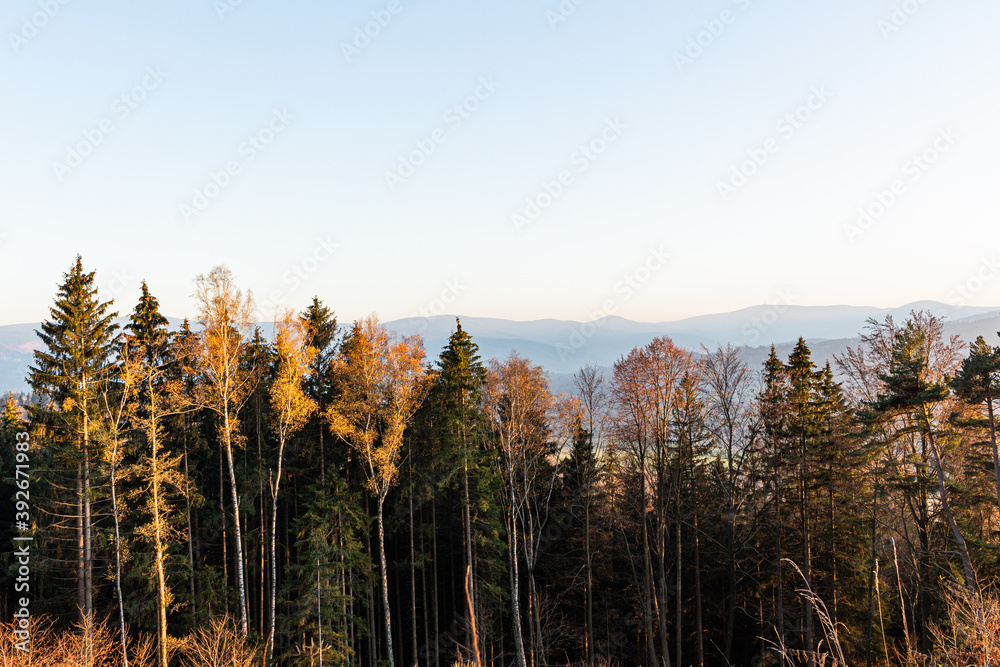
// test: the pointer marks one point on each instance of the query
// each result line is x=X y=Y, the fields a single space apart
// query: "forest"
x=335 y=494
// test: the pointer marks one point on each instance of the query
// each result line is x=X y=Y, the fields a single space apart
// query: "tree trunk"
x=225 y=538
x=700 y=642
x=88 y=553
x=241 y=582
x=319 y=613
x=806 y=556
x=434 y=596
x=413 y=580
x=678 y=601
x=970 y=577
x=731 y=572
x=81 y=595
x=647 y=583
x=590 y=579
x=661 y=551
x=190 y=533
x=993 y=442
x=384 y=571
x=274 y=552
x=467 y=520
x=515 y=578
x=118 y=550
x=833 y=557
x=779 y=593
x=161 y=578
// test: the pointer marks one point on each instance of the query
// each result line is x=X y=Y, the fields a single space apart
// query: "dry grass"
x=832 y=655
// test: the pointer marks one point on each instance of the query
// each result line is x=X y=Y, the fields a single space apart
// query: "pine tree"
x=912 y=391
x=977 y=383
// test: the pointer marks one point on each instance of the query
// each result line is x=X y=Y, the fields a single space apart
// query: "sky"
x=514 y=159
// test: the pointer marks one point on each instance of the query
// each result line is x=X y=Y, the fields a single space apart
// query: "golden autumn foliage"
x=382 y=382
x=292 y=406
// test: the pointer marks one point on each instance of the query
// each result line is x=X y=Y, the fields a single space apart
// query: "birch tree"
x=226 y=382
x=382 y=381
x=292 y=409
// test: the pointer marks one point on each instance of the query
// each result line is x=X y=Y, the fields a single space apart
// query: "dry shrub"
x=52 y=646
x=970 y=635
x=218 y=645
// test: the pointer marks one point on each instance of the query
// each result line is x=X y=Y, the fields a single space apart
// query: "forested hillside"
x=336 y=494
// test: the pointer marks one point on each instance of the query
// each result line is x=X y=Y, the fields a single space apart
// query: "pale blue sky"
x=443 y=240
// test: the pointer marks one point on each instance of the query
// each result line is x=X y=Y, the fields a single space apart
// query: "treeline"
x=331 y=496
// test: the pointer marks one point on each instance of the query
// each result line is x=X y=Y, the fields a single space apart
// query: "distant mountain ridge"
x=563 y=346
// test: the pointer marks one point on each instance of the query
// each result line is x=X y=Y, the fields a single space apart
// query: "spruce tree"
x=75 y=361
x=456 y=401
x=321 y=323
x=802 y=430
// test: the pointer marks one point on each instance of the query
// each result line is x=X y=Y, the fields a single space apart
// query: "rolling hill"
x=563 y=346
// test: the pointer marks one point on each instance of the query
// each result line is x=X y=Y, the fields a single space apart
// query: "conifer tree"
x=912 y=391
x=157 y=394
x=977 y=383
x=802 y=431
x=321 y=324
x=774 y=417
x=75 y=361
x=457 y=397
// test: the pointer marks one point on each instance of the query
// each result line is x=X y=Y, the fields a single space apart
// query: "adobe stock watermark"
x=562 y=12
x=624 y=289
x=453 y=118
x=364 y=34
x=760 y=324
x=248 y=151
x=34 y=23
x=901 y=14
x=713 y=30
x=787 y=127
x=580 y=160
x=296 y=275
x=449 y=294
x=21 y=565
x=121 y=108
x=121 y=279
x=883 y=199
x=224 y=7
x=988 y=269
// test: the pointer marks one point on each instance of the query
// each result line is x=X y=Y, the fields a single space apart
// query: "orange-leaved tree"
x=382 y=380
x=292 y=409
